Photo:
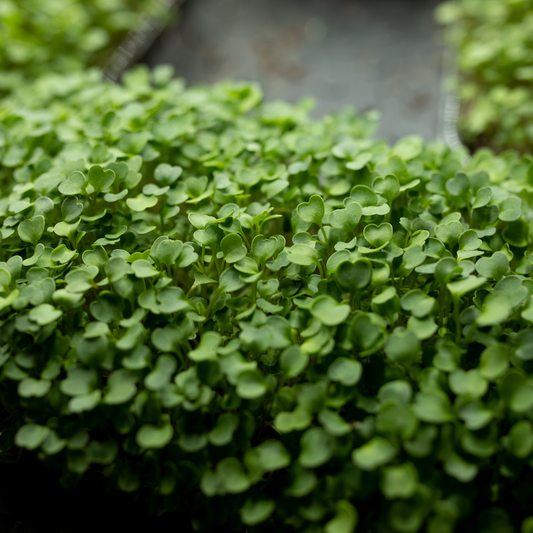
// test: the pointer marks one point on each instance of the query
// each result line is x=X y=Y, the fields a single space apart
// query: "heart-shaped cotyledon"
x=31 y=230
x=378 y=236
x=312 y=211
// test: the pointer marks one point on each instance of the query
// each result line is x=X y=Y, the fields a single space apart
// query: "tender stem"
x=456 y=314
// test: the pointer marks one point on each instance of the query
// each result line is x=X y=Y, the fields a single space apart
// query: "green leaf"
x=272 y=455
x=378 y=236
x=333 y=423
x=45 y=314
x=399 y=481
x=231 y=472
x=71 y=209
x=121 y=387
x=359 y=161
x=345 y=519
x=527 y=525
x=251 y=385
x=111 y=198
x=79 y=381
x=475 y=415
x=316 y=448
x=469 y=241
x=144 y=269
x=222 y=433
x=166 y=251
x=510 y=209
x=386 y=303
x=141 y=202
x=74 y=184
x=494 y=267
x=31 y=230
x=412 y=258
x=162 y=373
x=352 y=276
x=448 y=356
x=458 y=185
x=84 y=402
x=388 y=187
x=263 y=248
x=418 y=303
x=63 y=229
x=464 y=286
x=516 y=391
x=375 y=453
x=433 y=407
x=31 y=436
x=192 y=442
x=423 y=329
x=409 y=147
x=62 y=254
x=402 y=347
x=456 y=467
x=103 y=453
x=153 y=437
x=100 y=179
x=30 y=387
x=494 y=361
x=346 y=219
x=486 y=215
x=255 y=512
x=328 y=311
x=313 y=211
x=520 y=439
x=230 y=281
x=97 y=257
x=345 y=371
x=449 y=233
x=397 y=390
x=482 y=197
x=364 y=196
x=445 y=269
x=495 y=310
x=233 y=248
x=302 y=254
x=293 y=361
x=53 y=444
x=133 y=143
x=470 y=383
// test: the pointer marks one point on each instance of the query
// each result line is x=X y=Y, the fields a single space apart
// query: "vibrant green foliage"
x=41 y=36
x=262 y=320
x=492 y=39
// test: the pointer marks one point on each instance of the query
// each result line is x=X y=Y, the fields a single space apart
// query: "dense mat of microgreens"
x=494 y=43
x=263 y=320
x=41 y=36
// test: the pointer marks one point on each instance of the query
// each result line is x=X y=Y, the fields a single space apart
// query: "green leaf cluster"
x=262 y=320
x=37 y=37
x=492 y=40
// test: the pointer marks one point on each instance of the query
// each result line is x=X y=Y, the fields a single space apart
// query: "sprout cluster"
x=494 y=46
x=42 y=36
x=262 y=320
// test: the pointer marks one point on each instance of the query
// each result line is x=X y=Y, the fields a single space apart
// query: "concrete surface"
x=371 y=54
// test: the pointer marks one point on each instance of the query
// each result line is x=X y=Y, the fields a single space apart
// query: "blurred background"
x=368 y=54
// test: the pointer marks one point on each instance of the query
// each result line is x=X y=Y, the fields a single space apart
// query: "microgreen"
x=259 y=319
x=493 y=46
x=63 y=36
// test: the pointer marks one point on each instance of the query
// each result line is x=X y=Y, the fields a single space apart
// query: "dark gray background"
x=370 y=54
